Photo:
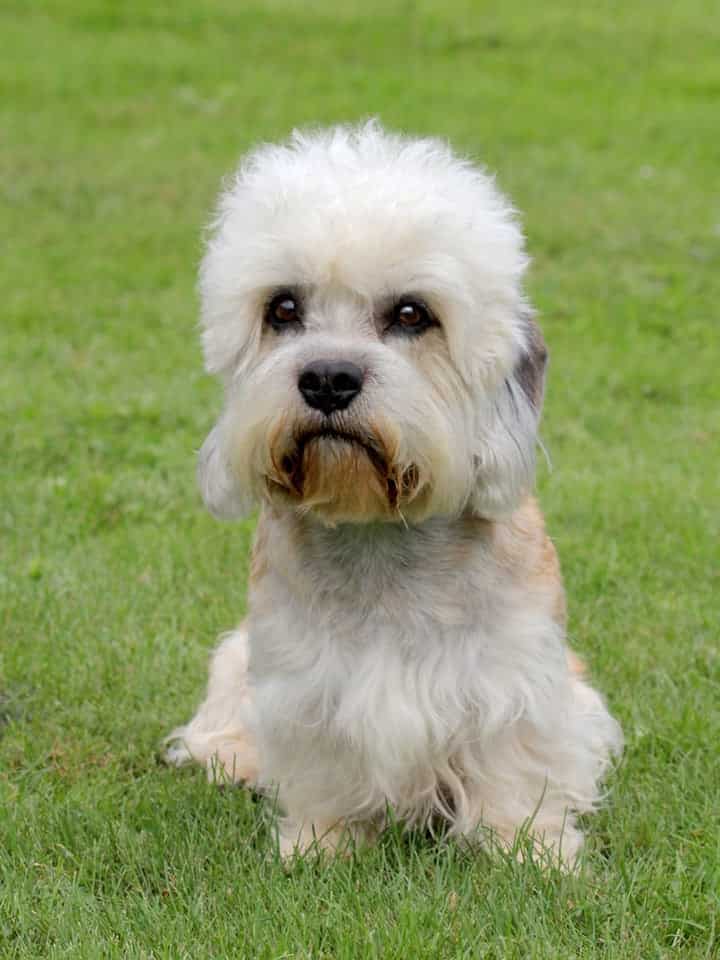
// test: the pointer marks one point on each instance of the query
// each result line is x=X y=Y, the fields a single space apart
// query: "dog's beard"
x=343 y=474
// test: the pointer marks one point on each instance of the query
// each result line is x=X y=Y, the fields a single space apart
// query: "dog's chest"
x=389 y=649
x=404 y=684
x=371 y=689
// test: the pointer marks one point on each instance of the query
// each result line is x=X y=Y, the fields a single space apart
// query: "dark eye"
x=410 y=317
x=283 y=311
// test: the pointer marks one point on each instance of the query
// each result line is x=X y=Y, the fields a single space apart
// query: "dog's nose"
x=329 y=385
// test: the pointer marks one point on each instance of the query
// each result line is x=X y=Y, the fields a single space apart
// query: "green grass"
x=117 y=122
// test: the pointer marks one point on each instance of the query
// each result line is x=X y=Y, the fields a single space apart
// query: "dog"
x=404 y=652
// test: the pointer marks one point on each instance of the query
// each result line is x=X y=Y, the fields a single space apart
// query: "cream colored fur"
x=404 y=647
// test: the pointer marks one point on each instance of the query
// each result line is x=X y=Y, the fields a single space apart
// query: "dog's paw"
x=176 y=753
x=232 y=761
x=322 y=838
x=550 y=849
x=226 y=759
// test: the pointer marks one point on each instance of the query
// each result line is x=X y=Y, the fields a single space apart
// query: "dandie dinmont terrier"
x=405 y=646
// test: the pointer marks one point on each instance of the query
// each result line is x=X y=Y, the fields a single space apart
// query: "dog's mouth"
x=293 y=463
x=344 y=451
x=376 y=456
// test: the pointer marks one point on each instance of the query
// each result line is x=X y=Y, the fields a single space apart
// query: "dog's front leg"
x=217 y=737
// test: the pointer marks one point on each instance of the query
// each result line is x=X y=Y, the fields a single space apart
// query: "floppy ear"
x=529 y=372
x=219 y=487
x=504 y=457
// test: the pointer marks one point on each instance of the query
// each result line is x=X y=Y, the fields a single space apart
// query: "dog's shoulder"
x=522 y=548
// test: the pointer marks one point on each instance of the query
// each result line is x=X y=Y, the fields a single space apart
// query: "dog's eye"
x=409 y=318
x=283 y=311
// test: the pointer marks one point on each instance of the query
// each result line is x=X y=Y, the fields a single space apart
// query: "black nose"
x=329 y=385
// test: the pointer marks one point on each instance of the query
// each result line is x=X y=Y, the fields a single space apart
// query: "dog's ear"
x=218 y=485
x=529 y=372
x=504 y=456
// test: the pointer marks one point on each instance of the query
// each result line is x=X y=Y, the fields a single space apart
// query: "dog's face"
x=362 y=302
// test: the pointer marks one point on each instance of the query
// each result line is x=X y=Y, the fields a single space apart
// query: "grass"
x=118 y=121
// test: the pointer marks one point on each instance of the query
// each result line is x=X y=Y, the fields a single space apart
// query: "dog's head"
x=361 y=299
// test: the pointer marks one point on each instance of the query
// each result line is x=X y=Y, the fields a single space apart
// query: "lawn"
x=118 y=121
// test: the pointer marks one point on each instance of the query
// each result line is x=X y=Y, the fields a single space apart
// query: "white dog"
x=404 y=647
